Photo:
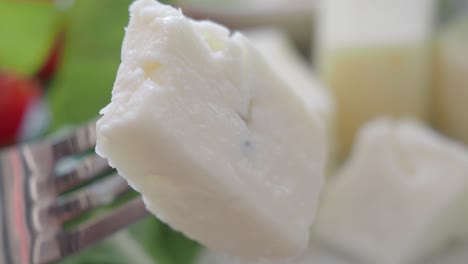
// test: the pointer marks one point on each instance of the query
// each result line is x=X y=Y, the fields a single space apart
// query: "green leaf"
x=91 y=57
x=81 y=89
x=27 y=30
x=168 y=246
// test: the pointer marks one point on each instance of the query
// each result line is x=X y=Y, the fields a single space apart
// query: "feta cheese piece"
x=220 y=147
x=280 y=53
x=314 y=254
x=451 y=79
x=374 y=55
x=402 y=195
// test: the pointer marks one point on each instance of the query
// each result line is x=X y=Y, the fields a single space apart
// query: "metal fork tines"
x=37 y=198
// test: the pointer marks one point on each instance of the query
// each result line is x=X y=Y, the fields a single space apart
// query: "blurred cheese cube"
x=220 y=147
x=374 y=56
x=281 y=55
x=401 y=196
x=315 y=254
x=451 y=82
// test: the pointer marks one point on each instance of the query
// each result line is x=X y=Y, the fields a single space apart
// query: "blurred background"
x=58 y=61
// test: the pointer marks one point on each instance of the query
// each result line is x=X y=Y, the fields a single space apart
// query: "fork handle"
x=68 y=243
x=82 y=139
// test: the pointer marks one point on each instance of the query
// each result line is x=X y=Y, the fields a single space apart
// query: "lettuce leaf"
x=27 y=31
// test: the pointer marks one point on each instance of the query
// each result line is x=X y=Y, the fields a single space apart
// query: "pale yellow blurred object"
x=451 y=79
x=375 y=57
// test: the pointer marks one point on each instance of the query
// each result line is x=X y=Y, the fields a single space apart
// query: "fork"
x=37 y=199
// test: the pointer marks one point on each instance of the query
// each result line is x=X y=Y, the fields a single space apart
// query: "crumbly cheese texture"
x=219 y=146
x=282 y=57
x=280 y=53
x=401 y=196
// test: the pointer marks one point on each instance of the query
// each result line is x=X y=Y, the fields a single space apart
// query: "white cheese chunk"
x=402 y=195
x=219 y=146
x=280 y=53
